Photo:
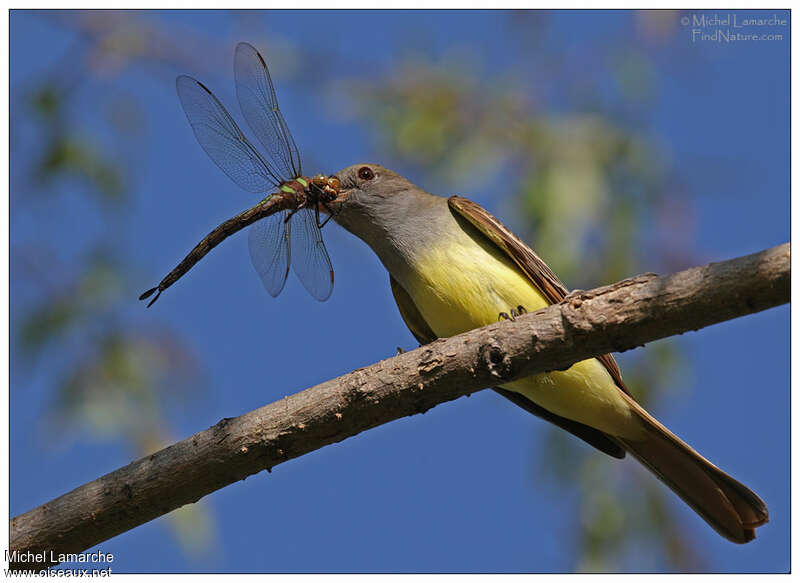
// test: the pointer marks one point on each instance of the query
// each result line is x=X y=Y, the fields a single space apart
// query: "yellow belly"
x=462 y=286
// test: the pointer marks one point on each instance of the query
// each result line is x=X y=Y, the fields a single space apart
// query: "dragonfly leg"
x=292 y=212
x=329 y=217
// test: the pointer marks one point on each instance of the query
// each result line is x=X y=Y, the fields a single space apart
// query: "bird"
x=454 y=267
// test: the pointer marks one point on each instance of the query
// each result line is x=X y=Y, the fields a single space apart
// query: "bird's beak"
x=328 y=186
x=336 y=204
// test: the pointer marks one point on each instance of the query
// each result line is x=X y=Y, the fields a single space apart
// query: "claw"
x=518 y=311
x=153 y=301
x=148 y=293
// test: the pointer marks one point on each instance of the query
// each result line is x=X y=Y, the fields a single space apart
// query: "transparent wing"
x=222 y=139
x=268 y=241
x=310 y=260
x=260 y=108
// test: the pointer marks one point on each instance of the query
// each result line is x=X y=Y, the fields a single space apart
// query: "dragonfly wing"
x=222 y=139
x=310 y=260
x=268 y=241
x=260 y=108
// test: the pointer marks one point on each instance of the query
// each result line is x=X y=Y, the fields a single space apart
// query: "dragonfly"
x=287 y=222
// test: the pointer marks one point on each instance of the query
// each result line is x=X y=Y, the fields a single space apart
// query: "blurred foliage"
x=92 y=293
x=72 y=155
x=117 y=378
x=590 y=186
x=66 y=152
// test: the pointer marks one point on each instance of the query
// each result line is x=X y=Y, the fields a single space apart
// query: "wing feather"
x=527 y=260
x=423 y=333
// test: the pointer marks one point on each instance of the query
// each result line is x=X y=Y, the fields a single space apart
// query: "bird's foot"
x=518 y=311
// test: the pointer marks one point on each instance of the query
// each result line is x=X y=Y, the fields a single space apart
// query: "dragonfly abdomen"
x=272 y=204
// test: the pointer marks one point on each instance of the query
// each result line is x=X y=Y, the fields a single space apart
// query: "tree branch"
x=614 y=318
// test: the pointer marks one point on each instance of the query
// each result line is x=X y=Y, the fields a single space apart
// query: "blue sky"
x=454 y=489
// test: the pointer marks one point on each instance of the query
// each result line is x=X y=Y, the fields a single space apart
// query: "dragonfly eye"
x=366 y=173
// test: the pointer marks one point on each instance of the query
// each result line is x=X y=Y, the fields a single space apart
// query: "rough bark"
x=614 y=318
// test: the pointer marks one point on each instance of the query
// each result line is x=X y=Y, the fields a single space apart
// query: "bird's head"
x=372 y=200
x=364 y=185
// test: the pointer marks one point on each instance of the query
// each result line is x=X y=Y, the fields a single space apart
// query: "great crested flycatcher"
x=454 y=267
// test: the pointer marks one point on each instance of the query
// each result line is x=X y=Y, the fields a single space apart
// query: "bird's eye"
x=366 y=173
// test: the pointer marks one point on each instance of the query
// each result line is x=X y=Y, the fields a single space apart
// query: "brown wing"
x=422 y=332
x=410 y=314
x=527 y=260
x=728 y=506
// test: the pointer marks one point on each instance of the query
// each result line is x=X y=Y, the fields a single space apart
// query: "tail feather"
x=732 y=509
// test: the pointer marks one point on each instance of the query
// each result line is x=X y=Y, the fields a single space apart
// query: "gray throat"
x=400 y=227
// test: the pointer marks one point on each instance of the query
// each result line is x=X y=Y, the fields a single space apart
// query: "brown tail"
x=729 y=507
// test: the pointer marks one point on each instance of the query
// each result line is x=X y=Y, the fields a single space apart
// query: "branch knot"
x=496 y=360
